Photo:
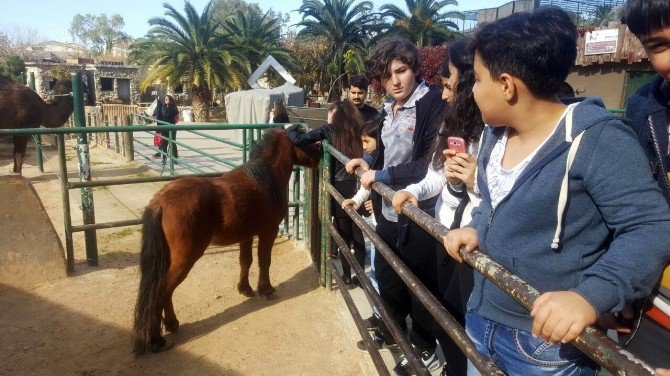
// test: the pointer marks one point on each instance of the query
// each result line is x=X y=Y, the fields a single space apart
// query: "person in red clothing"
x=166 y=111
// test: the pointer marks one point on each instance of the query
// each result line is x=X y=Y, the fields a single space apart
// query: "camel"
x=21 y=107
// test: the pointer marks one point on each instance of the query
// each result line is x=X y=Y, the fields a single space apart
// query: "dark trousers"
x=455 y=283
x=352 y=235
x=164 y=145
x=651 y=343
x=416 y=249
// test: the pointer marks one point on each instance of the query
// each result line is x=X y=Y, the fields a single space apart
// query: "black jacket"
x=647 y=109
x=324 y=132
x=429 y=116
x=368 y=112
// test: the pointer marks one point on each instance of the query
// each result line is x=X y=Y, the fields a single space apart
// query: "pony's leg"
x=178 y=271
x=265 y=242
x=246 y=258
x=20 y=143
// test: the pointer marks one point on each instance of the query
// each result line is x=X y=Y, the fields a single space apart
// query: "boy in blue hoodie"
x=567 y=204
x=649 y=111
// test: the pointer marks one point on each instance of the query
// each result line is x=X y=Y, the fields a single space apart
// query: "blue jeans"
x=516 y=352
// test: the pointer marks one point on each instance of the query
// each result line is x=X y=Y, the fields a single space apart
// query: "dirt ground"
x=81 y=325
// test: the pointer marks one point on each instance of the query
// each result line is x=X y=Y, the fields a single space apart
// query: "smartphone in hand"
x=457 y=143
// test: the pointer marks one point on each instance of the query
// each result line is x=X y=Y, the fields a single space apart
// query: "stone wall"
x=90 y=72
x=116 y=73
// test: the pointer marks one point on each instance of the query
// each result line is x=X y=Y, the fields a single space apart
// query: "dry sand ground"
x=81 y=325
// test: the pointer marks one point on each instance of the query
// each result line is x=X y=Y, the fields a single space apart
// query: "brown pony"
x=189 y=214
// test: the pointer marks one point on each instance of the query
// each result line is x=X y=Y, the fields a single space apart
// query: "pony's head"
x=275 y=145
x=307 y=155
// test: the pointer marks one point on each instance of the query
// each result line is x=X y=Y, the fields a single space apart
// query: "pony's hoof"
x=172 y=327
x=164 y=344
x=245 y=290
x=268 y=292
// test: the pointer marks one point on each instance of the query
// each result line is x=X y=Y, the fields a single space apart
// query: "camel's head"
x=62 y=86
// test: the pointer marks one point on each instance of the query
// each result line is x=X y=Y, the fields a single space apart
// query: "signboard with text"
x=600 y=42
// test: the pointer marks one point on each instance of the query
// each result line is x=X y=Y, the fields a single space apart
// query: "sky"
x=51 y=18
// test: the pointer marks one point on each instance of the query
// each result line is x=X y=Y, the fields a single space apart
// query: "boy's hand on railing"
x=455 y=239
x=349 y=202
x=662 y=372
x=561 y=316
x=355 y=163
x=401 y=197
x=368 y=178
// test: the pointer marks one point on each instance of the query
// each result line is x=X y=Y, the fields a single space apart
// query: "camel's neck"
x=55 y=115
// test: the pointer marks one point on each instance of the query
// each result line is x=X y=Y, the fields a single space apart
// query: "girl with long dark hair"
x=167 y=111
x=343 y=131
x=279 y=113
x=451 y=175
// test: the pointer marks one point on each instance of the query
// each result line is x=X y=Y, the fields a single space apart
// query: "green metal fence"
x=251 y=133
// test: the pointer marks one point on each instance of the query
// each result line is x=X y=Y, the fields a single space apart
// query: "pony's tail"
x=154 y=264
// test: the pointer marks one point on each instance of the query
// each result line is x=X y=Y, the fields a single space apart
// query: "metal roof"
x=581 y=6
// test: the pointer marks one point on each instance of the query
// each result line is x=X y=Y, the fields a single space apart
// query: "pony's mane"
x=257 y=168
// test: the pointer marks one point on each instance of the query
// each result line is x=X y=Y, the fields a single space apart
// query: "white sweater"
x=445 y=208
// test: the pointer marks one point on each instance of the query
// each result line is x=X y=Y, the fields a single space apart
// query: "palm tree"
x=601 y=14
x=344 y=24
x=187 y=49
x=255 y=36
x=425 y=24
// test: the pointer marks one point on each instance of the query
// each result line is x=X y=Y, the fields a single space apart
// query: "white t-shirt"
x=500 y=180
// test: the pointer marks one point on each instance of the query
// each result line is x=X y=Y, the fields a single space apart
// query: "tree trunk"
x=202 y=97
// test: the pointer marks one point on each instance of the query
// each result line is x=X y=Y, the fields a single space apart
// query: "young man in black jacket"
x=410 y=120
x=358 y=91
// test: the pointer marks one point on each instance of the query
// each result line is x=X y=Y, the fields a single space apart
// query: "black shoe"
x=445 y=371
x=372 y=323
x=355 y=282
x=157 y=155
x=347 y=282
x=379 y=342
x=335 y=255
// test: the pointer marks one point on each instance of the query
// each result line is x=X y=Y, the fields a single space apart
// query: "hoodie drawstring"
x=563 y=197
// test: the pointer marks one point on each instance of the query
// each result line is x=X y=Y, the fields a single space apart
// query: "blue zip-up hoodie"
x=614 y=229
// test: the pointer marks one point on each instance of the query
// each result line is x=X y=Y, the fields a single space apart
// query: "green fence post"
x=296 y=200
x=170 y=151
x=128 y=148
x=244 y=146
x=325 y=218
x=65 y=195
x=84 y=162
x=22 y=78
x=37 y=138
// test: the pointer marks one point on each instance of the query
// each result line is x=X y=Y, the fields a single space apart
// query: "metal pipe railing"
x=592 y=342
x=423 y=295
x=377 y=360
x=375 y=299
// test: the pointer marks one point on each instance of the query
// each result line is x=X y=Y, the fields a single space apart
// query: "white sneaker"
x=427 y=357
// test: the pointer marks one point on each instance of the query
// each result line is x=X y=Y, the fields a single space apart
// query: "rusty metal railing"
x=591 y=342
